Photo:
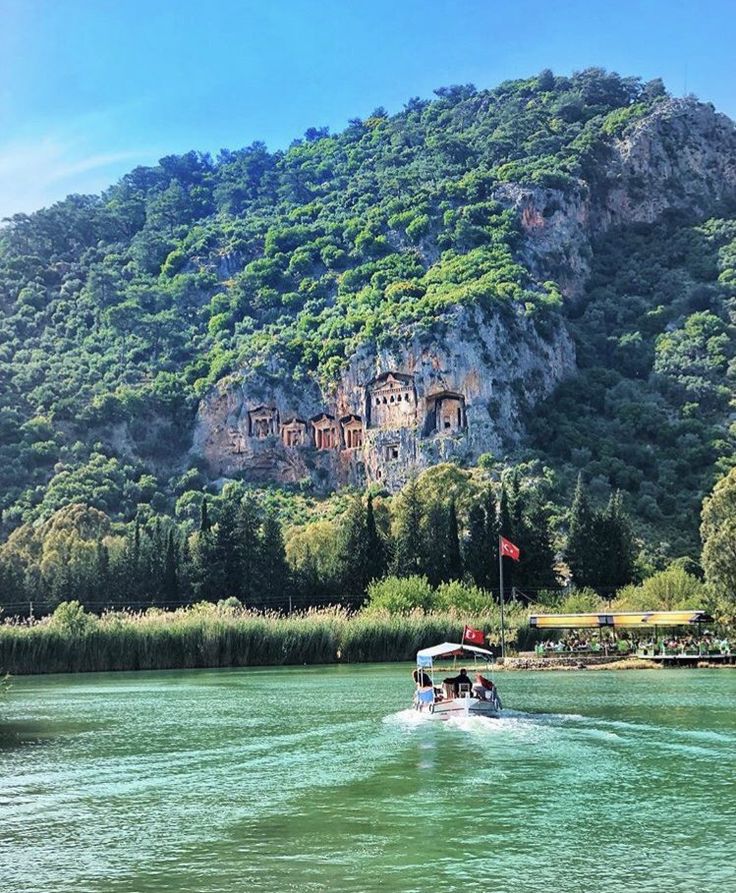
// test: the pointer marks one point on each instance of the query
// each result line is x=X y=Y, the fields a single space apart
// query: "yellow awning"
x=619 y=619
x=565 y=621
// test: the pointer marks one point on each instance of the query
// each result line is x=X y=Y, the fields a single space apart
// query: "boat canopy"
x=425 y=656
x=624 y=619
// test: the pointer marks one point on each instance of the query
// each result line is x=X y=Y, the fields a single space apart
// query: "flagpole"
x=500 y=581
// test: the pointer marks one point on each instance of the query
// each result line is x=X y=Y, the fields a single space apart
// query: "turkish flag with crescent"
x=474 y=636
x=508 y=549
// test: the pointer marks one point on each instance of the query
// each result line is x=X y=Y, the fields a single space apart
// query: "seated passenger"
x=455 y=682
x=483 y=688
x=421 y=678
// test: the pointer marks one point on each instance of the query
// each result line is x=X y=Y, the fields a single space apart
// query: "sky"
x=91 y=88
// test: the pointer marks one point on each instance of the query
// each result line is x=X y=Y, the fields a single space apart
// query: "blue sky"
x=90 y=88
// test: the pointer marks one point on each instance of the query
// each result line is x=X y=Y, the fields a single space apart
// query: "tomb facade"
x=445 y=413
x=352 y=432
x=325 y=432
x=294 y=433
x=263 y=422
x=391 y=401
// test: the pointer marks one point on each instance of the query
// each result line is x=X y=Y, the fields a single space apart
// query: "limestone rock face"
x=681 y=157
x=457 y=394
x=466 y=389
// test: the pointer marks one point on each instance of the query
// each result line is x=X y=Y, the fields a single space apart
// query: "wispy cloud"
x=37 y=171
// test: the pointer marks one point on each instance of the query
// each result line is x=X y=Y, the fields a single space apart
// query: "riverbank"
x=566 y=662
x=208 y=635
x=216 y=636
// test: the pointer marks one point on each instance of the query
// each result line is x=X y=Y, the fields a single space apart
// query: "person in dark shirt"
x=421 y=678
x=462 y=678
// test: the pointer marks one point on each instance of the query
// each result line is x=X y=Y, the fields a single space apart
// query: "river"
x=318 y=779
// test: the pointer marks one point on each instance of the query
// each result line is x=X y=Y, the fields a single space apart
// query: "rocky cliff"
x=680 y=157
x=457 y=394
x=465 y=389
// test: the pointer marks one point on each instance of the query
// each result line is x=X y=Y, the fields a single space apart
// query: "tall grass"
x=218 y=636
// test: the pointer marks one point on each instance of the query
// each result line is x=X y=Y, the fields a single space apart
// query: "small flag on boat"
x=508 y=549
x=474 y=636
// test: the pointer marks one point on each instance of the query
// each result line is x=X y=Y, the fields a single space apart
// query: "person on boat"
x=483 y=688
x=421 y=678
x=462 y=678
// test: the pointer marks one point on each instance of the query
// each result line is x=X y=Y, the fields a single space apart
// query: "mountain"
x=544 y=271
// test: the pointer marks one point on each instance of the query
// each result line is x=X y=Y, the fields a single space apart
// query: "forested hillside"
x=121 y=312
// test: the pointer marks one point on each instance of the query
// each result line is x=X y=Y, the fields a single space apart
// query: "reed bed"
x=214 y=636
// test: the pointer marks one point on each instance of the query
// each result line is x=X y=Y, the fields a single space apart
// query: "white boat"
x=449 y=698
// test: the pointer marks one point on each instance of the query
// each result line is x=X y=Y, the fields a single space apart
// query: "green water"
x=318 y=779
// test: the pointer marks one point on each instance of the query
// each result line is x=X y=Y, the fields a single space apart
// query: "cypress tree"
x=408 y=540
x=505 y=526
x=476 y=555
x=170 y=585
x=453 y=556
x=481 y=551
x=225 y=578
x=204 y=517
x=536 y=568
x=154 y=548
x=375 y=547
x=103 y=589
x=248 y=563
x=353 y=549
x=615 y=546
x=580 y=552
x=274 y=577
x=205 y=571
x=435 y=542
x=516 y=507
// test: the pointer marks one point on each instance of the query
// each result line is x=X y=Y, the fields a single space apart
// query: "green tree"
x=170 y=588
x=248 y=560
x=718 y=533
x=615 y=546
x=353 y=548
x=408 y=545
x=376 y=550
x=581 y=549
x=204 y=518
x=275 y=577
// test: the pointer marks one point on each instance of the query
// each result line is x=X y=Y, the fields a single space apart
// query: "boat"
x=448 y=699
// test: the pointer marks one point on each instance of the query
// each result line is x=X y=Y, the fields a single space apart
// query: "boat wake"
x=514 y=722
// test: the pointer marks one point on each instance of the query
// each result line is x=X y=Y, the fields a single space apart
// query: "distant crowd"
x=708 y=644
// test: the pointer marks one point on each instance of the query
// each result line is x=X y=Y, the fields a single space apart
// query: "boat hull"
x=459 y=708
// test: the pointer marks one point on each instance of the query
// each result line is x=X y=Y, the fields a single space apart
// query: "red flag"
x=508 y=549
x=474 y=636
